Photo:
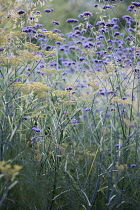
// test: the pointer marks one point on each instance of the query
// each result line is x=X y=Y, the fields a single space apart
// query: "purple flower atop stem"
x=133 y=165
x=74 y=121
x=48 y=10
x=71 y=20
x=36 y=129
x=21 y=12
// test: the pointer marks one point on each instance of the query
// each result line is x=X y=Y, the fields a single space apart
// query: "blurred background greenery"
x=64 y=9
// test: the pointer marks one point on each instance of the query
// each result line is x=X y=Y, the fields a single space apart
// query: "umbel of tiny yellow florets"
x=9 y=171
x=51 y=70
x=31 y=46
x=35 y=87
x=126 y=101
x=6 y=37
x=59 y=93
x=28 y=56
x=52 y=35
x=12 y=60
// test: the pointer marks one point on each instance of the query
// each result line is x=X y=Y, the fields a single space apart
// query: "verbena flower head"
x=107 y=7
x=95 y=5
x=78 y=32
x=87 y=109
x=127 y=18
x=31 y=18
x=100 y=22
x=29 y=29
x=71 y=20
x=87 y=14
x=115 y=27
x=130 y=29
x=56 y=30
x=36 y=129
x=25 y=118
x=110 y=24
x=83 y=31
x=124 y=98
x=112 y=109
x=115 y=19
x=38 y=25
x=89 y=25
x=116 y=33
x=130 y=8
x=38 y=12
x=76 y=28
x=117 y=145
x=80 y=15
x=56 y=23
x=69 y=88
x=103 y=30
x=74 y=121
x=48 y=10
x=81 y=58
x=133 y=165
x=136 y=4
x=21 y=12
x=9 y=15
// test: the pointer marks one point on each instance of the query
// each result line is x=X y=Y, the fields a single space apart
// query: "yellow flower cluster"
x=68 y=103
x=89 y=153
x=7 y=2
x=94 y=85
x=82 y=99
x=91 y=74
x=51 y=70
x=128 y=122
x=70 y=85
x=9 y=170
x=4 y=38
x=110 y=67
x=17 y=33
x=137 y=49
x=7 y=36
x=60 y=93
x=3 y=13
x=31 y=46
x=44 y=95
x=121 y=166
x=46 y=53
x=35 y=87
x=27 y=56
x=13 y=60
x=102 y=75
x=52 y=35
x=126 y=101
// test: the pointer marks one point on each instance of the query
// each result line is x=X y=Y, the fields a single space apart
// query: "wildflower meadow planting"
x=69 y=108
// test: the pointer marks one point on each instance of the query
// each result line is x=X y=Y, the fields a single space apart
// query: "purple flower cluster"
x=133 y=6
x=36 y=129
x=74 y=121
x=82 y=80
x=133 y=165
x=48 y=10
x=136 y=4
x=21 y=12
x=89 y=55
x=85 y=14
x=56 y=23
x=107 y=7
x=71 y=20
